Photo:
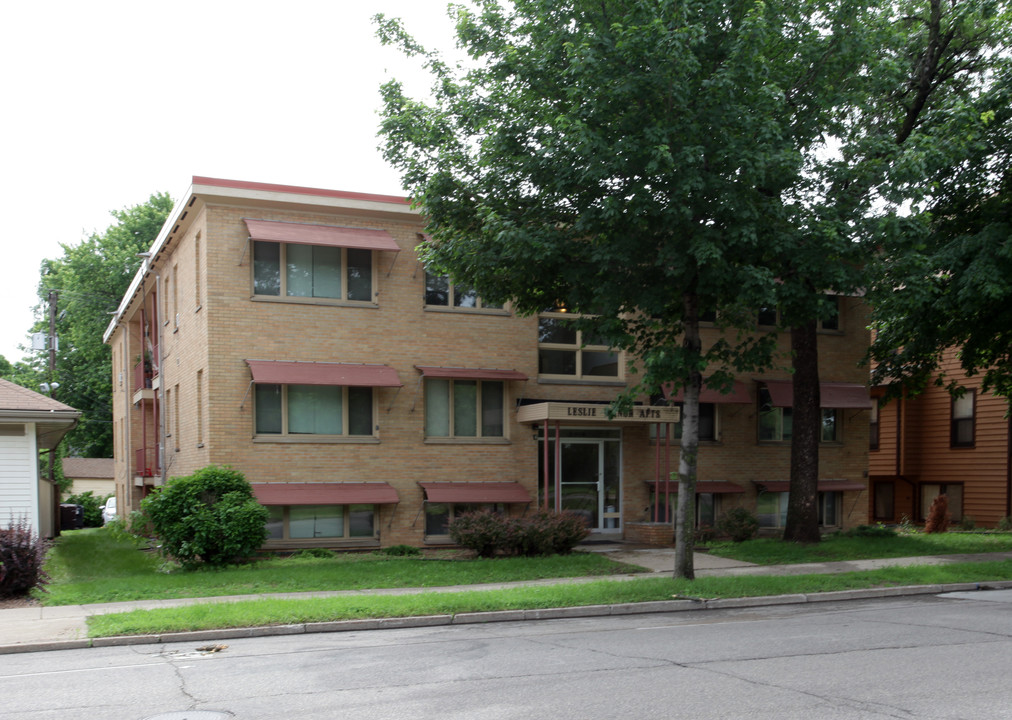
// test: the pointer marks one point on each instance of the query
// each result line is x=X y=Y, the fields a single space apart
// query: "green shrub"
x=209 y=517
x=320 y=553
x=871 y=531
x=401 y=550
x=967 y=523
x=91 y=505
x=543 y=533
x=1005 y=523
x=22 y=559
x=738 y=524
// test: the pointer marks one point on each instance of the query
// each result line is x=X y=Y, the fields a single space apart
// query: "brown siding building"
x=293 y=334
x=935 y=444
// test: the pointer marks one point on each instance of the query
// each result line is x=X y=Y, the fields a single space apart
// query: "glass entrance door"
x=589 y=476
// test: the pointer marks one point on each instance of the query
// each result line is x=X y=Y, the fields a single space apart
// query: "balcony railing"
x=146 y=462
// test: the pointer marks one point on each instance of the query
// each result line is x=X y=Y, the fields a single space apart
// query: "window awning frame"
x=458 y=373
x=279 y=372
x=824 y=485
x=329 y=235
x=475 y=492
x=832 y=395
x=739 y=394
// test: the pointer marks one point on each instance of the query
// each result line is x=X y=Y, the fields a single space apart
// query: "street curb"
x=582 y=611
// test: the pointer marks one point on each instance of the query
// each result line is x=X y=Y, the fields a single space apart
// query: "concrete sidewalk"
x=37 y=627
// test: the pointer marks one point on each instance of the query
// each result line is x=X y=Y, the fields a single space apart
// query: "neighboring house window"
x=953 y=492
x=775 y=423
x=312 y=271
x=771 y=509
x=464 y=408
x=831 y=323
x=962 y=420
x=440 y=292
x=313 y=410
x=307 y=522
x=885 y=500
x=438 y=516
x=565 y=352
x=873 y=426
x=768 y=316
x=707 y=424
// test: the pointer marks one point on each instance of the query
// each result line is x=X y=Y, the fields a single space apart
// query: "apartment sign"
x=575 y=412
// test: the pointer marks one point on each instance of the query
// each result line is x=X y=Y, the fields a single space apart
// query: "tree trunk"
x=802 y=506
x=685 y=518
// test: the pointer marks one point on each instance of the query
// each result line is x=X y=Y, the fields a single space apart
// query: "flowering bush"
x=22 y=556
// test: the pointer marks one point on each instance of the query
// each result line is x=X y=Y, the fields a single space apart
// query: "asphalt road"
x=933 y=657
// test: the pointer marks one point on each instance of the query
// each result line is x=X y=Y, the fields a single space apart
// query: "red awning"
x=475 y=492
x=824 y=486
x=739 y=394
x=324 y=493
x=852 y=396
x=318 y=373
x=717 y=487
x=306 y=234
x=470 y=373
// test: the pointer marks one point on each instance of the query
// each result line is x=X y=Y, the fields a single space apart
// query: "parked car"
x=109 y=509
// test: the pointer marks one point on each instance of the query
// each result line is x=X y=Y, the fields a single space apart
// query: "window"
x=565 y=352
x=440 y=292
x=707 y=424
x=873 y=425
x=438 y=516
x=832 y=322
x=962 y=434
x=771 y=509
x=885 y=500
x=830 y=425
x=775 y=423
x=464 y=408
x=768 y=316
x=312 y=271
x=707 y=507
x=309 y=522
x=952 y=492
x=332 y=410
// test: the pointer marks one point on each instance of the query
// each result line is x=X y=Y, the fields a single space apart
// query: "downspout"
x=1008 y=463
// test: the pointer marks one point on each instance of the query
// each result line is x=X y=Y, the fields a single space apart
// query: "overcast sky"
x=109 y=101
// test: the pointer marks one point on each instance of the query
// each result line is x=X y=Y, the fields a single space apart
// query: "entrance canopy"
x=576 y=413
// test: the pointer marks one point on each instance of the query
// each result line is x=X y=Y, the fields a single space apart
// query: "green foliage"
x=543 y=533
x=90 y=278
x=22 y=560
x=1005 y=523
x=401 y=551
x=938 y=518
x=91 y=505
x=966 y=523
x=315 y=553
x=209 y=517
x=738 y=524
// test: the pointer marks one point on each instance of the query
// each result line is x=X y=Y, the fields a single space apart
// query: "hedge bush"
x=209 y=517
x=22 y=559
x=543 y=533
x=738 y=524
x=91 y=505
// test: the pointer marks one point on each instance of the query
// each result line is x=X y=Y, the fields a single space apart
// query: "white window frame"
x=963 y=411
x=346 y=510
x=285 y=433
x=579 y=348
x=283 y=289
x=457 y=297
x=451 y=419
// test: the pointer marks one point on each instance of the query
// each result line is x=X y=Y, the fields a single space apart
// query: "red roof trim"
x=475 y=492
x=739 y=394
x=341 y=493
x=470 y=373
x=329 y=235
x=316 y=373
x=297 y=190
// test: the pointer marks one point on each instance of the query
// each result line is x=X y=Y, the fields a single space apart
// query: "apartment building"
x=293 y=334
x=933 y=444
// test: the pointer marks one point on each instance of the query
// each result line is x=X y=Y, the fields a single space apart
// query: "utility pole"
x=53 y=297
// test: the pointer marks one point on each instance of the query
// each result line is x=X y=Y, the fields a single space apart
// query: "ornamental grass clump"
x=22 y=559
x=938 y=516
x=210 y=517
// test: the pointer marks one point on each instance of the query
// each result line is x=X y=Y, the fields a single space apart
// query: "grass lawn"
x=765 y=551
x=268 y=611
x=91 y=566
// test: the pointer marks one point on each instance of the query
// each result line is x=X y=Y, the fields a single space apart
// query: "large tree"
x=87 y=283
x=646 y=161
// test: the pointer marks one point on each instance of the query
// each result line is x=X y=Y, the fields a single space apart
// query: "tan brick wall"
x=216 y=337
